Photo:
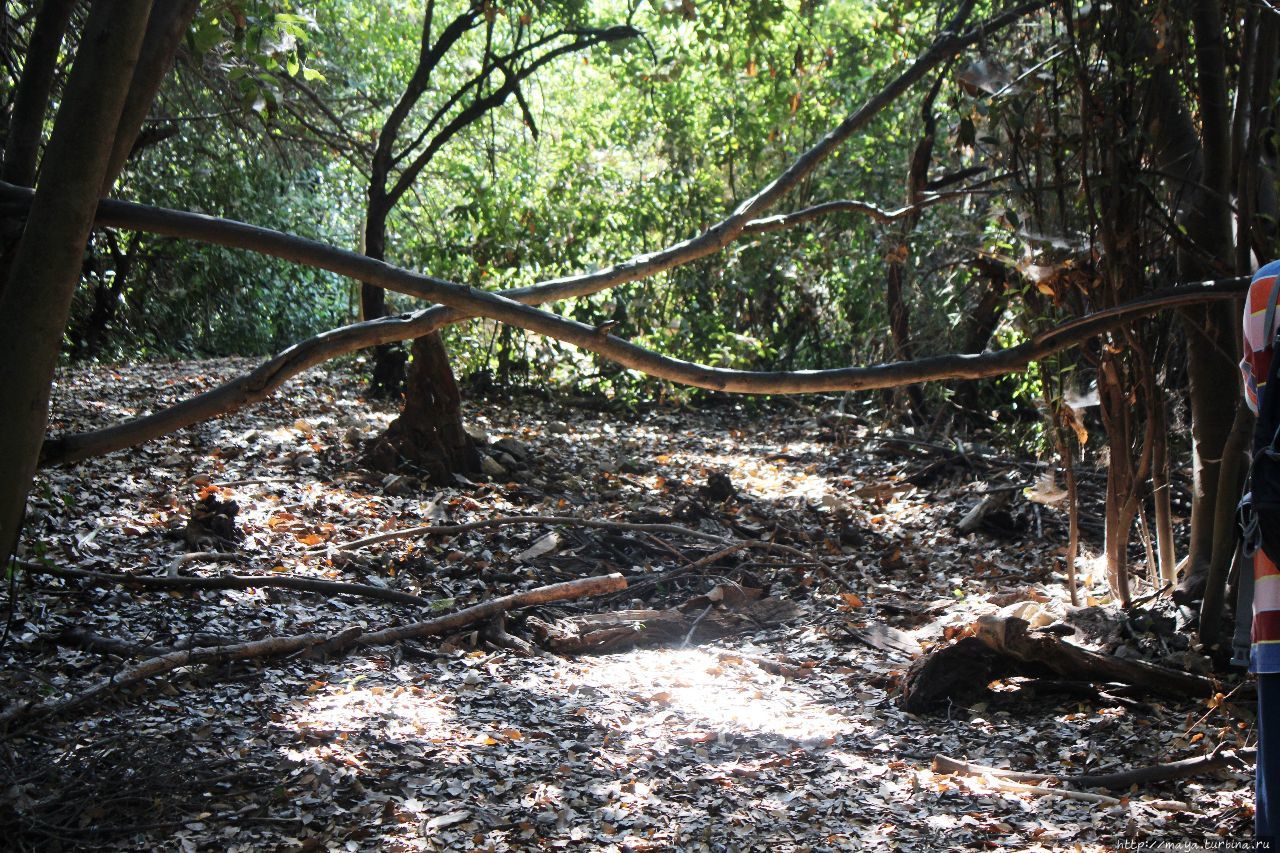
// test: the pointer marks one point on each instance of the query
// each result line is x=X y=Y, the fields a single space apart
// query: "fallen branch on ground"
x=487 y=610
x=569 y=520
x=293 y=582
x=27 y=713
x=1211 y=762
x=270 y=647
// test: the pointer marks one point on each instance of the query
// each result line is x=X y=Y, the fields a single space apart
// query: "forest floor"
x=765 y=720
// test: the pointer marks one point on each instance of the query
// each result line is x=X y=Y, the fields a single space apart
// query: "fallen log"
x=1004 y=646
x=26 y=713
x=1010 y=638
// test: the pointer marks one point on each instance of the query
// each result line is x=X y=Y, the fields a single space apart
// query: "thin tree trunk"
x=1160 y=491
x=1212 y=349
x=1224 y=532
x=1073 y=517
x=26 y=124
x=46 y=266
x=31 y=97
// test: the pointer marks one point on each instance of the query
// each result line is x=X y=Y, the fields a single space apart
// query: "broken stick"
x=329 y=643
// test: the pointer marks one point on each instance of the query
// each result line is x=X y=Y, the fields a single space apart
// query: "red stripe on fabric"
x=1259 y=293
x=1266 y=626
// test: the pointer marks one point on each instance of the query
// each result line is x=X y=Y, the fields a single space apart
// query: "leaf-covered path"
x=781 y=736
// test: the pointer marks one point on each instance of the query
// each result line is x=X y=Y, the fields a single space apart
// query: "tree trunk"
x=1234 y=466
x=1212 y=349
x=389 y=360
x=428 y=436
x=1161 y=494
x=26 y=122
x=46 y=264
x=1214 y=391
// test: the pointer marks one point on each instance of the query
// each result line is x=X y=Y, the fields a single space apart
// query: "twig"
x=294 y=582
x=203 y=556
x=696 y=621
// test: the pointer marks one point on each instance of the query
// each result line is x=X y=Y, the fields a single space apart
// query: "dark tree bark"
x=428 y=435
x=46 y=264
x=26 y=124
x=1212 y=343
x=896 y=267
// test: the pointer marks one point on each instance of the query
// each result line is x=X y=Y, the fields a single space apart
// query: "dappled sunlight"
x=701 y=695
x=334 y=712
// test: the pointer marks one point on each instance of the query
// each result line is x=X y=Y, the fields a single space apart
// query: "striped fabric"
x=1264 y=656
x=1257 y=356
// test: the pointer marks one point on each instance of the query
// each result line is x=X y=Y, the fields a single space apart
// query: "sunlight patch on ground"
x=397 y=712
x=713 y=697
x=758 y=475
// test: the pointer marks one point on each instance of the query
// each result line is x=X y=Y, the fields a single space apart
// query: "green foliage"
x=616 y=152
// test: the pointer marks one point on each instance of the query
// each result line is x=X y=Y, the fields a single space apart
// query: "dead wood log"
x=324 y=587
x=961 y=669
x=271 y=647
x=1009 y=638
x=1211 y=762
x=581 y=588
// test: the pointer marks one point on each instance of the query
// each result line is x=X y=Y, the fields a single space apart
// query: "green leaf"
x=208 y=35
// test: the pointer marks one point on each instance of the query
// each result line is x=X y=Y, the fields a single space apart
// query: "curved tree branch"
x=267 y=378
x=469 y=302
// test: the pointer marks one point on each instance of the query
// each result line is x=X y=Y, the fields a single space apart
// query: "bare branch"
x=782 y=221
x=277 y=581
